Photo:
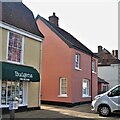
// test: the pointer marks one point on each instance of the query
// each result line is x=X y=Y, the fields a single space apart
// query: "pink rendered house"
x=69 y=69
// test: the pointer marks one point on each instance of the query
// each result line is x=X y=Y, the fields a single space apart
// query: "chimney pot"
x=113 y=52
x=53 y=13
x=99 y=49
x=54 y=19
x=116 y=53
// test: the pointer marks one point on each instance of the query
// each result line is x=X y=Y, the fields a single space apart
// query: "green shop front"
x=17 y=81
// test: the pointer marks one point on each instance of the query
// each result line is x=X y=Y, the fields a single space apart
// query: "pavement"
x=80 y=112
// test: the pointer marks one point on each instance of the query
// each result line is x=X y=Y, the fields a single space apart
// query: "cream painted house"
x=20 y=59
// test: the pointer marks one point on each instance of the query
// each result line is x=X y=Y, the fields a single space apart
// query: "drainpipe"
x=91 y=78
x=40 y=71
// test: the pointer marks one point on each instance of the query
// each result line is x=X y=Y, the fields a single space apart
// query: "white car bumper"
x=93 y=106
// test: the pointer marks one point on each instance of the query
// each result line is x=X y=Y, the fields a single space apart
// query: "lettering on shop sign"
x=23 y=75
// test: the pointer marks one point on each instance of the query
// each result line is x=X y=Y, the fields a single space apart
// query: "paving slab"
x=82 y=112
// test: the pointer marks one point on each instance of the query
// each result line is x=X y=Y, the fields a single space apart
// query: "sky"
x=92 y=22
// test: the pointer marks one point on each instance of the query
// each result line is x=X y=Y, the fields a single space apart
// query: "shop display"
x=11 y=88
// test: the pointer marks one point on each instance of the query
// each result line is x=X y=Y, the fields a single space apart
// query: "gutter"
x=20 y=31
x=40 y=69
x=91 y=78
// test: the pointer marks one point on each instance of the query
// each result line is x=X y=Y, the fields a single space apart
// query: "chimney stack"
x=115 y=53
x=99 y=49
x=54 y=19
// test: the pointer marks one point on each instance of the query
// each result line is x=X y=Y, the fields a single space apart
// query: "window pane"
x=19 y=44
x=116 y=91
x=85 y=87
x=77 y=61
x=84 y=91
x=3 y=93
x=14 y=54
x=11 y=88
x=104 y=88
x=9 y=53
x=15 y=47
x=63 y=85
x=21 y=93
x=63 y=90
x=9 y=91
x=93 y=65
x=18 y=55
x=11 y=42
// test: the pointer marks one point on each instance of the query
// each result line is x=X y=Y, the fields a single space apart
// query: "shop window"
x=85 y=88
x=11 y=88
x=77 y=61
x=63 y=87
x=15 y=47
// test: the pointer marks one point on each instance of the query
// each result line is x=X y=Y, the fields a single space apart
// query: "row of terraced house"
x=41 y=62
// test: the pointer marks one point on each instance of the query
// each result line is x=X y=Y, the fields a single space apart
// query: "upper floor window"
x=93 y=66
x=15 y=47
x=77 y=61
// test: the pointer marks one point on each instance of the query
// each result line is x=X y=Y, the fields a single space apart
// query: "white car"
x=107 y=102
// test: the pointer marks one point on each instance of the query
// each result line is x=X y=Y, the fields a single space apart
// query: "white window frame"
x=22 y=53
x=77 y=60
x=25 y=95
x=61 y=94
x=93 y=66
x=104 y=85
x=85 y=95
x=20 y=31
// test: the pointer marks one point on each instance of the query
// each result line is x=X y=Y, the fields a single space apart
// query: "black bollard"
x=12 y=114
x=13 y=104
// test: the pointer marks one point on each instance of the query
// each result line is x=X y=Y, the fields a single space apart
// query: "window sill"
x=63 y=96
x=14 y=62
x=94 y=72
x=6 y=106
x=85 y=96
x=78 y=69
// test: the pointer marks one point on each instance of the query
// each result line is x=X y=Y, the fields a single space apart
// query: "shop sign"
x=23 y=75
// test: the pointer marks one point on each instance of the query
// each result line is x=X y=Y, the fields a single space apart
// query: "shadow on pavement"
x=43 y=114
x=115 y=115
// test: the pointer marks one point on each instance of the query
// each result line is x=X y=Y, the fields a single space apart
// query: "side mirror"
x=110 y=94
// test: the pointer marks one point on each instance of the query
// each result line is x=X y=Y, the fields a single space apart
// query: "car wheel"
x=104 y=110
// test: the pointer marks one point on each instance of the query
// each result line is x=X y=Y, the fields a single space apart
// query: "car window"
x=115 y=92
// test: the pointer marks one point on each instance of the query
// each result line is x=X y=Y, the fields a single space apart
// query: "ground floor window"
x=14 y=88
x=85 y=88
x=104 y=88
x=63 y=87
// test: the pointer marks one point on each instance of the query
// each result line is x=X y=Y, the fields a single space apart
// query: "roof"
x=70 y=40
x=102 y=81
x=18 y=15
x=105 y=58
x=106 y=51
x=116 y=61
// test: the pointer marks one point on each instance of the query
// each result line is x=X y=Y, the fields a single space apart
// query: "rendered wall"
x=31 y=58
x=56 y=63
x=59 y=61
x=109 y=74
